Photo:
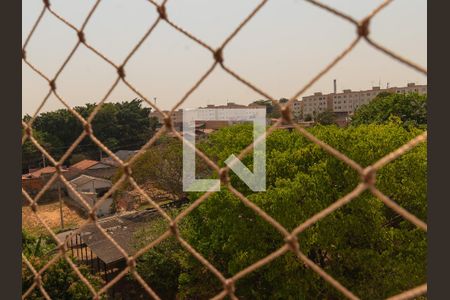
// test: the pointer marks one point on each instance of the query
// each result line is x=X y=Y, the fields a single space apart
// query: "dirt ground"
x=51 y=215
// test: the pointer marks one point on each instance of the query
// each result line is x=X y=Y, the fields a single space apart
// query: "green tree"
x=161 y=165
x=364 y=245
x=410 y=108
x=272 y=111
x=59 y=280
x=326 y=118
x=32 y=157
x=124 y=125
x=157 y=266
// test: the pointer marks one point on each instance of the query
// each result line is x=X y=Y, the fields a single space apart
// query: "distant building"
x=221 y=113
x=177 y=117
x=297 y=109
x=349 y=101
x=316 y=104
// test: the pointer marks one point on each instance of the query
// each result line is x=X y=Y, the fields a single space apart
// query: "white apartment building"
x=348 y=101
x=315 y=104
x=210 y=112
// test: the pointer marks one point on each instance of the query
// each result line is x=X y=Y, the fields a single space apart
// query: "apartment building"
x=348 y=101
x=177 y=117
x=214 y=113
x=316 y=104
x=297 y=109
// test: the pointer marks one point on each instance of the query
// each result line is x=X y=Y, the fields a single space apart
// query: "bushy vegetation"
x=410 y=108
x=59 y=280
x=364 y=245
x=162 y=165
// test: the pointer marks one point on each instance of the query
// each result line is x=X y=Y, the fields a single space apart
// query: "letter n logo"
x=255 y=180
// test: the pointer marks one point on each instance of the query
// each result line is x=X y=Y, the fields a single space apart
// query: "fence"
x=368 y=174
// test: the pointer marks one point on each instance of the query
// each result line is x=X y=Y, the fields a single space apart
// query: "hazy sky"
x=282 y=48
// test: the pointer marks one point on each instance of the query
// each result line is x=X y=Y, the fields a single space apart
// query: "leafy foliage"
x=59 y=280
x=162 y=165
x=124 y=125
x=156 y=266
x=272 y=111
x=31 y=156
x=364 y=245
x=326 y=118
x=410 y=108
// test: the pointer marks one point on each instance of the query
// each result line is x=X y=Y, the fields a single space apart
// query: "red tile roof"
x=39 y=172
x=83 y=165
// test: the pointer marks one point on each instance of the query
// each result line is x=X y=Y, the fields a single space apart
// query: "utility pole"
x=60 y=204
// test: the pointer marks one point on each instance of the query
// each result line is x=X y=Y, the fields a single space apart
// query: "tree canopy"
x=364 y=245
x=326 y=118
x=124 y=125
x=60 y=281
x=272 y=111
x=411 y=108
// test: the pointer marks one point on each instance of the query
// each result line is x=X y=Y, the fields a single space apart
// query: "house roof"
x=122 y=229
x=39 y=172
x=84 y=164
x=125 y=154
x=122 y=154
x=82 y=179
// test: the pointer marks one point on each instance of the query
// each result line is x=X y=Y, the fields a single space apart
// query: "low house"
x=91 y=168
x=92 y=189
x=36 y=179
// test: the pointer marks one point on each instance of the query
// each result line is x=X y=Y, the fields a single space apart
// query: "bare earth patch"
x=50 y=213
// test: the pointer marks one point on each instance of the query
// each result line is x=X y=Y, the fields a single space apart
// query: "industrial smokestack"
x=335 y=89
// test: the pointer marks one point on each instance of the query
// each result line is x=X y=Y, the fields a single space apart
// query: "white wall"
x=87 y=191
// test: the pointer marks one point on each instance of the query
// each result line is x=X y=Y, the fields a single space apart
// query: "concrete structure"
x=348 y=101
x=91 y=189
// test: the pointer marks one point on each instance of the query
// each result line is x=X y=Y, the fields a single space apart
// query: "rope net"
x=367 y=174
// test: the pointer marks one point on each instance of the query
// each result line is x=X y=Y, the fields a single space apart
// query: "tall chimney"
x=334 y=82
